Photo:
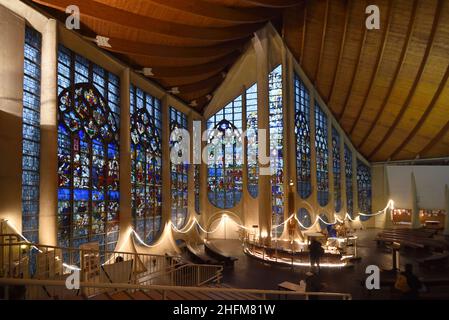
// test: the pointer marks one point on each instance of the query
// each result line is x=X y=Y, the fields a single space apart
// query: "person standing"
x=315 y=253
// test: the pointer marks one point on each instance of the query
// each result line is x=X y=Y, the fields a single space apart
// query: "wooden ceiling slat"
x=375 y=73
x=153 y=50
x=275 y=3
x=415 y=82
x=212 y=82
x=323 y=38
x=340 y=52
x=304 y=29
x=432 y=143
x=219 y=12
x=173 y=72
x=404 y=50
x=124 y=18
x=355 y=74
x=423 y=118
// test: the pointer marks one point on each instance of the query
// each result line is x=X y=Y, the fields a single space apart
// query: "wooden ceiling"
x=388 y=88
x=187 y=46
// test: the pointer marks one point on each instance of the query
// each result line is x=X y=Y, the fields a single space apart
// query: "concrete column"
x=415 y=208
x=126 y=219
x=245 y=194
x=265 y=210
x=388 y=223
x=330 y=166
x=11 y=69
x=166 y=163
x=203 y=180
x=446 y=221
x=190 y=181
x=48 y=204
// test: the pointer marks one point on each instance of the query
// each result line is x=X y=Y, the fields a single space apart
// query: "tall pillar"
x=313 y=165
x=126 y=221
x=203 y=181
x=446 y=221
x=415 y=208
x=166 y=163
x=388 y=223
x=265 y=210
x=48 y=203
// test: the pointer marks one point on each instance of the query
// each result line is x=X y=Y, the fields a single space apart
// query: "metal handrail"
x=164 y=289
x=194 y=274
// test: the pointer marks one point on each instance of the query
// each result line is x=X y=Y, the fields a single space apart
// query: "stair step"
x=139 y=295
x=152 y=294
x=101 y=296
x=121 y=295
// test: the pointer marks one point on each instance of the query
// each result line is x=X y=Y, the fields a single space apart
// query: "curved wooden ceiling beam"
x=211 y=82
x=348 y=6
x=176 y=72
x=415 y=82
x=323 y=37
x=275 y=3
x=379 y=59
x=426 y=149
x=154 y=50
x=200 y=8
x=356 y=71
x=125 y=18
x=425 y=115
x=303 y=36
x=410 y=27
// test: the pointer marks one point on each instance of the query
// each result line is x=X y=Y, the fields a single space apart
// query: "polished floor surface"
x=252 y=273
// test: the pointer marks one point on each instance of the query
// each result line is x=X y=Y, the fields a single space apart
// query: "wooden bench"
x=435 y=260
x=216 y=253
x=200 y=255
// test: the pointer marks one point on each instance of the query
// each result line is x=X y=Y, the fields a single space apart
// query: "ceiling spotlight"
x=209 y=97
x=148 y=72
x=174 y=90
x=194 y=103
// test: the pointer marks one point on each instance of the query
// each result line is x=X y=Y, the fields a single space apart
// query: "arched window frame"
x=252 y=151
x=336 y=167
x=225 y=167
x=302 y=132
x=322 y=155
x=276 y=122
x=88 y=153
x=146 y=164
x=348 y=178
x=179 y=172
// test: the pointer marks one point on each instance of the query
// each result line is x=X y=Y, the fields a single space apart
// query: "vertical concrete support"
x=388 y=223
x=126 y=221
x=415 y=208
x=446 y=221
x=203 y=178
x=166 y=181
x=330 y=166
x=245 y=194
x=265 y=211
x=48 y=204
x=11 y=69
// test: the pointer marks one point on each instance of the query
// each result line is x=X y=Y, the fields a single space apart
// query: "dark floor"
x=249 y=272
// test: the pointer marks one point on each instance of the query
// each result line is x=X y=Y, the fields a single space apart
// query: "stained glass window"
x=88 y=153
x=224 y=150
x=364 y=188
x=302 y=132
x=304 y=217
x=146 y=163
x=251 y=145
x=348 y=174
x=322 y=156
x=179 y=172
x=336 y=167
x=31 y=134
x=276 y=147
